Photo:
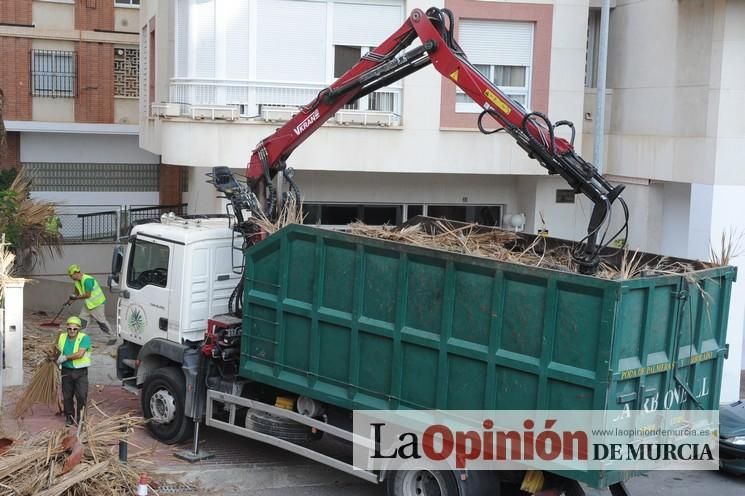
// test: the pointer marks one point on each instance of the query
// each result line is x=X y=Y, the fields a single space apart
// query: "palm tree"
x=30 y=226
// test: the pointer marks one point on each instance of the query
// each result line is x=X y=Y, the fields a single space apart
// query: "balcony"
x=270 y=102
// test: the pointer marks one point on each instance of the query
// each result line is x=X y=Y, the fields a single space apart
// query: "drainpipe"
x=598 y=145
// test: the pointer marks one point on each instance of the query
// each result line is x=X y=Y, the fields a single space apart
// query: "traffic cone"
x=142 y=486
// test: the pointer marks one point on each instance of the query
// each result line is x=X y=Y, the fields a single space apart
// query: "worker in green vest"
x=88 y=289
x=75 y=357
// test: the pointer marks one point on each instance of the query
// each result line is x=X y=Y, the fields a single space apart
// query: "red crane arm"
x=391 y=62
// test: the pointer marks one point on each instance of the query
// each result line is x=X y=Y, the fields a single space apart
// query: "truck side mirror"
x=117 y=259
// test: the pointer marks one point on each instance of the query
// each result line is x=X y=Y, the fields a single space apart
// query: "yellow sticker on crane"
x=497 y=102
x=454 y=75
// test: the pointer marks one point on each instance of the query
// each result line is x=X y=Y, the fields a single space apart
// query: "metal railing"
x=249 y=97
x=98 y=223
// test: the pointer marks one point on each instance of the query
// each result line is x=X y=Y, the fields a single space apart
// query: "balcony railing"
x=269 y=101
x=105 y=223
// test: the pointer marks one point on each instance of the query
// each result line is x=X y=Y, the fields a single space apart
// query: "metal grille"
x=107 y=222
x=126 y=72
x=153 y=212
x=52 y=176
x=54 y=73
x=177 y=488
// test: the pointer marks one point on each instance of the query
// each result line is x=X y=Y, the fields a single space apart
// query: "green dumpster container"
x=364 y=323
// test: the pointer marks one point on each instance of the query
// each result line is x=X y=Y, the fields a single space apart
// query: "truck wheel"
x=421 y=483
x=163 y=406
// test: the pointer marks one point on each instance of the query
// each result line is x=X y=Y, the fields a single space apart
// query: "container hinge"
x=726 y=351
x=681 y=295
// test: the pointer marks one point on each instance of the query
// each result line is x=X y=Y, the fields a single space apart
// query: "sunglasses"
x=73 y=328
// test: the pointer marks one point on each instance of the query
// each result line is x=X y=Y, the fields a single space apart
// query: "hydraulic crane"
x=391 y=61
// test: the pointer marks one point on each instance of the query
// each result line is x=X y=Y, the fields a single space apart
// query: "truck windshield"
x=148 y=265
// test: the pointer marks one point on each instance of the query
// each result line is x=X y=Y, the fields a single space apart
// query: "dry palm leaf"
x=34 y=466
x=43 y=388
x=291 y=212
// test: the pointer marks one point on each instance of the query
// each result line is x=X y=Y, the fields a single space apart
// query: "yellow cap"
x=73 y=269
x=74 y=321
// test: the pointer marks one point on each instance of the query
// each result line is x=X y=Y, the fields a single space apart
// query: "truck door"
x=143 y=302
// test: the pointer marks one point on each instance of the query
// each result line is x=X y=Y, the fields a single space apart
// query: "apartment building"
x=217 y=76
x=69 y=70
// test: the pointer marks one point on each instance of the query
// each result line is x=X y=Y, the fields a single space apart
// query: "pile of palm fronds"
x=68 y=462
x=291 y=212
x=506 y=246
x=468 y=239
x=44 y=386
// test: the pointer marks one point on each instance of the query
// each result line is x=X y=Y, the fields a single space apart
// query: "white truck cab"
x=174 y=276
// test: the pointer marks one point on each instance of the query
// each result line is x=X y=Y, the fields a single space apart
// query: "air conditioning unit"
x=278 y=114
x=214 y=113
x=364 y=118
x=166 y=109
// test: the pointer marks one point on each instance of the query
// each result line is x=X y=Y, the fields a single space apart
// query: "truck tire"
x=163 y=406
x=422 y=483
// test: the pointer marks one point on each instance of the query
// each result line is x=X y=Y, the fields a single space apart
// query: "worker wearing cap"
x=75 y=358
x=88 y=289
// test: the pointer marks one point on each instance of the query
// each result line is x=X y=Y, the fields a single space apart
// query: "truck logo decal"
x=136 y=320
x=303 y=126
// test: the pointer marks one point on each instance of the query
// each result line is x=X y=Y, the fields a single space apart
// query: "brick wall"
x=95 y=102
x=170 y=184
x=15 y=65
x=94 y=14
x=16 y=11
x=12 y=157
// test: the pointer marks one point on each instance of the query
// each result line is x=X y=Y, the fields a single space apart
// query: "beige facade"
x=674 y=134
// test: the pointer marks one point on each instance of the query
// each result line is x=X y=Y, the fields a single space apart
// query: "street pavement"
x=246 y=467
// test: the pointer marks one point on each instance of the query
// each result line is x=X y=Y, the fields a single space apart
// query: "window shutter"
x=202 y=17
x=182 y=38
x=497 y=42
x=291 y=41
x=358 y=24
x=232 y=42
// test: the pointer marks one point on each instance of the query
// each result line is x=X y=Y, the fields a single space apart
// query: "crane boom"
x=393 y=60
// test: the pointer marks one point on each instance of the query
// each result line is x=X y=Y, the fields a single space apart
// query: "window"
x=344 y=58
x=593 y=45
x=336 y=214
x=486 y=215
x=511 y=79
x=53 y=73
x=148 y=265
x=127 y=3
x=343 y=214
x=503 y=52
x=127 y=72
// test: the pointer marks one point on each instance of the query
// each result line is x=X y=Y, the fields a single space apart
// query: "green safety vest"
x=97 y=297
x=80 y=363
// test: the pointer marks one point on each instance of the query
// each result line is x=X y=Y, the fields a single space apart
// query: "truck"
x=279 y=338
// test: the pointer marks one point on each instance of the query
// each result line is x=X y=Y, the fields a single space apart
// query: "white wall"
x=84 y=148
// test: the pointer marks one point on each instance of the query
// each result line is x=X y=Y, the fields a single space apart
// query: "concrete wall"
x=126 y=19
x=83 y=148
x=662 y=64
x=125 y=110
x=49 y=286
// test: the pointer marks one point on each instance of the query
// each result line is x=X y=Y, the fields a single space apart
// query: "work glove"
x=71 y=298
x=62 y=359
